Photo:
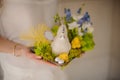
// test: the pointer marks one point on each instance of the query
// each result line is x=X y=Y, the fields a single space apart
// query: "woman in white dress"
x=17 y=62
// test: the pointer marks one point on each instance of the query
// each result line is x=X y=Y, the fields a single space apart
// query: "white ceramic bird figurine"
x=61 y=42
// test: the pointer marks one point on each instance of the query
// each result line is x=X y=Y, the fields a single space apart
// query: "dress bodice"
x=19 y=15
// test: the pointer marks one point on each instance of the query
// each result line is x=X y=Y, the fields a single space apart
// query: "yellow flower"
x=76 y=43
x=64 y=56
x=36 y=34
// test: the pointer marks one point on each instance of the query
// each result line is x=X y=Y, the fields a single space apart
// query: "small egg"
x=61 y=61
x=57 y=59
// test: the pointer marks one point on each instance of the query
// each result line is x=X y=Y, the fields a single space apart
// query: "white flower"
x=86 y=25
x=90 y=29
x=80 y=32
x=73 y=25
x=75 y=17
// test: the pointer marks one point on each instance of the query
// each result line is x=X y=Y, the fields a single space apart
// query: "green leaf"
x=72 y=33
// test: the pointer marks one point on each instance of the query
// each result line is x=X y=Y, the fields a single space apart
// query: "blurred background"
x=102 y=63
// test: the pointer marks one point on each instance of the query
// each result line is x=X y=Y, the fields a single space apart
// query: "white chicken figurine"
x=61 y=42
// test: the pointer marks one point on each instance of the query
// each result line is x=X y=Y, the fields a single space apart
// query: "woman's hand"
x=28 y=53
x=19 y=50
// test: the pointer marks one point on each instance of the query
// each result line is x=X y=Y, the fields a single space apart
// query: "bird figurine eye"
x=63 y=30
x=62 y=36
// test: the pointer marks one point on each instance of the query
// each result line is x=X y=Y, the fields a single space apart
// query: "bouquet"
x=69 y=38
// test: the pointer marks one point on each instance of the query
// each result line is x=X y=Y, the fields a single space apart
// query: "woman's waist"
x=19 y=62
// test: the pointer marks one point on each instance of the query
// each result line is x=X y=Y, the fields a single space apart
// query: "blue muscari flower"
x=85 y=18
x=68 y=14
x=79 y=11
x=80 y=22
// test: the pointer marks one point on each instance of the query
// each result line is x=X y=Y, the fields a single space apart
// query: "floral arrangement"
x=69 y=38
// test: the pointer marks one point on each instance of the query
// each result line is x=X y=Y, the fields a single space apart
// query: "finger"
x=38 y=57
x=46 y=62
x=31 y=55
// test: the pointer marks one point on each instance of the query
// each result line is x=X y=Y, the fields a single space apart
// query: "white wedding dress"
x=18 y=16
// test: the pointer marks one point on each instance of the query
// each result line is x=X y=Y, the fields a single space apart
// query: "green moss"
x=87 y=42
x=74 y=53
x=45 y=51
